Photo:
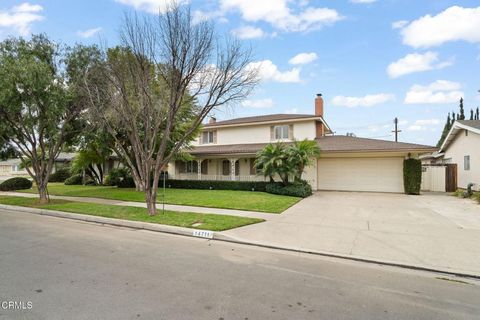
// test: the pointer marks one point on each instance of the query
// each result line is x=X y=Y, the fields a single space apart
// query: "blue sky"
x=373 y=60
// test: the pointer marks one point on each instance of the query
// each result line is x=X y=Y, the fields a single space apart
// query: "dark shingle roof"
x=269 y=117
x=326 y=144
x=345 y=143
x=471 y=123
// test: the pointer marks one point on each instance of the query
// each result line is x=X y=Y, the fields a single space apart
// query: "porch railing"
x=217 y=177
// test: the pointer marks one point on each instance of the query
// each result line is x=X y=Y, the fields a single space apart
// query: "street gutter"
x=214 y=235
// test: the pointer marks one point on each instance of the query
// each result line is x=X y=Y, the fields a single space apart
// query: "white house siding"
x=260 y=133
x=462 y=146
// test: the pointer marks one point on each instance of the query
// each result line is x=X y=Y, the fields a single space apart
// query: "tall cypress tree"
x=461 y=115
x=471 y=114
x=446 y=129
x=453 y=119
x=477 y=115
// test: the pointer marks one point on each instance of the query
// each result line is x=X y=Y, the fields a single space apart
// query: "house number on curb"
x=203 y=234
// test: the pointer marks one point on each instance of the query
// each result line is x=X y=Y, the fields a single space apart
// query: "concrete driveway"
x=432 y=230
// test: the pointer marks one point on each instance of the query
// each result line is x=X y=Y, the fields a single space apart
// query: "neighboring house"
x=13 y=167
x=225 y=150
x=432 y=158
x=462 y=147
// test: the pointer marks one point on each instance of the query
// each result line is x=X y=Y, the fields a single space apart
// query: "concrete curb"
x=222 y=237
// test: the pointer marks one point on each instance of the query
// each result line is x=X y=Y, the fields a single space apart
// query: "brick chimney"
x=319 y=105
x=212 y=120
x=319 y=127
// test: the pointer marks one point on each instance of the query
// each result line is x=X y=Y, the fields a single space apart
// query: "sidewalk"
x=170 y=207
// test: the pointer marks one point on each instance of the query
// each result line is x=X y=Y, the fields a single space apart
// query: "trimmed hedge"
x=60 y=175
x=17 y=183
x=412 y=176
x=216 y=185
x=297 y=189
x=76 y=179
x=202 y=184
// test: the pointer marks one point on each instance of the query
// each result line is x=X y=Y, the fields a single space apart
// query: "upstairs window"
x=208 y=137
x=466 y=163
x=281 y=132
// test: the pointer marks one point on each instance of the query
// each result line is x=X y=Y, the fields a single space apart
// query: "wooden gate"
x=451 y=177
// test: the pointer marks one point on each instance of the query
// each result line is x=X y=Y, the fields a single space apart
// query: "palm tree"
x=272 y=160
x=302 y=154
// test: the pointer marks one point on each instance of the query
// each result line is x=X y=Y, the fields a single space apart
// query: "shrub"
x=476 y=196
x=60 y=175
x=91 y=183
x=76 y=179
x=126 y=182
x=215 y=185
x=297 y=189
x=17 y=183
x=412 y=176
x=458 y=193
x=115 y=176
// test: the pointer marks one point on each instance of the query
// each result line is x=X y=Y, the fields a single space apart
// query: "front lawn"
x=227 y=199
x=202 y=221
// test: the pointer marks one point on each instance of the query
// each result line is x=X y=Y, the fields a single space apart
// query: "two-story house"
x=225 y=150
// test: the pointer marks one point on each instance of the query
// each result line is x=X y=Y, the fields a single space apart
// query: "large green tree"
x=40 y=99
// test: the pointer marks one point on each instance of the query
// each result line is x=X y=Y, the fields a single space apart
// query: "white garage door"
x=361 y=174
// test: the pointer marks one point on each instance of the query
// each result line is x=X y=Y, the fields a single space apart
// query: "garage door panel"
x=361 y=174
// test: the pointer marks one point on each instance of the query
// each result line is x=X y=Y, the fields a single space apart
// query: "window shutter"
x=290 y=132
x=200 y=139
x=272 y=133
x=204 y=167
x=215 y=136
x=252 y=166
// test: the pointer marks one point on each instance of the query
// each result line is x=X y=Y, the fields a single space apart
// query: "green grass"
x=212 y=222
x=227 y=199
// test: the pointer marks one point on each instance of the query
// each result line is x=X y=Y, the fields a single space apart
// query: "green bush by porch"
x=192 y=220
x=227 y=199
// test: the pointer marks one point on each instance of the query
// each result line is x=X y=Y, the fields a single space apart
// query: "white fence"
x=433 y=178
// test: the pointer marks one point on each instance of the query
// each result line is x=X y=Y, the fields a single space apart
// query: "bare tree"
x=167 y=75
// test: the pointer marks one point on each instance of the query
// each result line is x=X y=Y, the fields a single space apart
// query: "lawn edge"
x=177 y=204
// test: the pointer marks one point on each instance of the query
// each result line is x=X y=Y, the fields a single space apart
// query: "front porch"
x=223 y=169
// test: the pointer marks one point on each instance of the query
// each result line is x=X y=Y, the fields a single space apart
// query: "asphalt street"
x=53 y=268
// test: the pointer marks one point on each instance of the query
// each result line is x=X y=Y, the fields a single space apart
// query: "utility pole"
x=395 y=121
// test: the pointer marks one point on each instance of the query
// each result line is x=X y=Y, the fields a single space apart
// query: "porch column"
x=199 y=168
x=232 y=168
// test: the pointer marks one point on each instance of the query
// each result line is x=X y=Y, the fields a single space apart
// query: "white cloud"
x=365 y=101
x=416 y=62
x=268 y=71
x=151 y=6
x=89 y=33
x=19 y=19
x=423 y=125
x=363 y=1
x=399 y=24
x=438 y=92
x=453 y=24
x=278 y=14
x=258 y=103
x=303 y=58
x=248 y=32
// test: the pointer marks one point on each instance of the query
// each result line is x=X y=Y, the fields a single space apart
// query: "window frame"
x=282 y=129
x=210 y=135
x=466 y=163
